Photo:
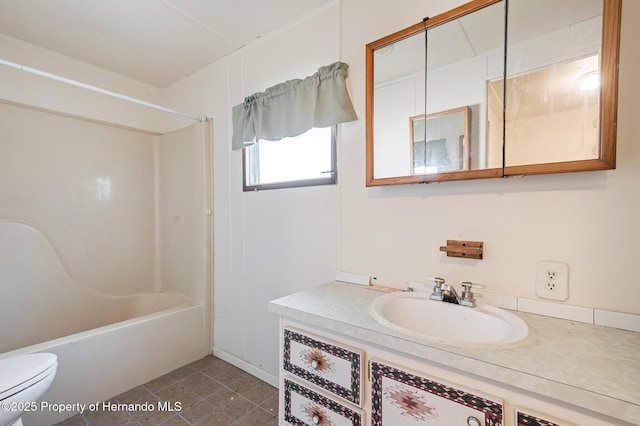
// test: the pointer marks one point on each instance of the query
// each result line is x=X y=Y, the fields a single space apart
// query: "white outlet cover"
x=560 y=287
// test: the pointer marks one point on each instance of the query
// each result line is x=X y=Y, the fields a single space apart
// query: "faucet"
x=447 y=293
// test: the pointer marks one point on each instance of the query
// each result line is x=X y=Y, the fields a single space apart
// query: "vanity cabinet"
x=327 y=378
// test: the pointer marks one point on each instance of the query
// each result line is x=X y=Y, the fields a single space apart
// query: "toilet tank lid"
x=18 y=369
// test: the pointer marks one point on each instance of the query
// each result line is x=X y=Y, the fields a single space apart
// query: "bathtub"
x=105 y=344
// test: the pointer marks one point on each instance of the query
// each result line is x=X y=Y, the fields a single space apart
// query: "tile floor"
x=210 y=392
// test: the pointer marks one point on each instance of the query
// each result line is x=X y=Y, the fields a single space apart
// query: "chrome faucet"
x=447 y=293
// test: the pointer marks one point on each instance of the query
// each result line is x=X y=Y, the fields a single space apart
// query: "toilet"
x=23 y=380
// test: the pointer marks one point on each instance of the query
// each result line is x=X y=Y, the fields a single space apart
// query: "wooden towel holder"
x=465 y=249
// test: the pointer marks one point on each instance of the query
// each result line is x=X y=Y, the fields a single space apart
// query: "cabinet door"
x=303 y=406
x=333 y=367
x=400 y=397
x=523 y=418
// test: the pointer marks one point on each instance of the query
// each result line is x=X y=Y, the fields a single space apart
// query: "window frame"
x=330 y=179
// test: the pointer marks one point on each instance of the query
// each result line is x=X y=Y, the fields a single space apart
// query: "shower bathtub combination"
x=105 y=344
x=104 y=193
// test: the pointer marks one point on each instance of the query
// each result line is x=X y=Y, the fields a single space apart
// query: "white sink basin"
x=414 y=314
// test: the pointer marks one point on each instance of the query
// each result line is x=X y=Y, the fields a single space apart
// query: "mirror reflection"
x=459 y=57
x=552 y=103
x=544 y=103
x=551 y=122
x=440 y=142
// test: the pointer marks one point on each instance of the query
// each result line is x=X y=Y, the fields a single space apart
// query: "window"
x=305 y=160
x=311 y=108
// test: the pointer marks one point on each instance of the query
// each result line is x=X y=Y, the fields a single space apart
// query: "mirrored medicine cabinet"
x=494 y=88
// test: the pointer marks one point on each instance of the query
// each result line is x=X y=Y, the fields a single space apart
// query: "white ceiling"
x=157 y=42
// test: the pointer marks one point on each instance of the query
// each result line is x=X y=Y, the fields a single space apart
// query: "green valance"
x=294 y=107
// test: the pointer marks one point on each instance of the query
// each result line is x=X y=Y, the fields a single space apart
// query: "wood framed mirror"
x=517 y=67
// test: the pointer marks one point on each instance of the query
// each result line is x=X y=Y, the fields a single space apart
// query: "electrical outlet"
x=552 y=280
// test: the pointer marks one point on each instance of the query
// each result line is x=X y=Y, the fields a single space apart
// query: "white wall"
x=395 y=233
x=273 y=243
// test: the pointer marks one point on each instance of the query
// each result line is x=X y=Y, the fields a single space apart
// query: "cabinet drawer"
x=400 y=397
x=302 y=407
x=334 y=368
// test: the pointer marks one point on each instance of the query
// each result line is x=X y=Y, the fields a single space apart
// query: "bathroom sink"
x=416 y=315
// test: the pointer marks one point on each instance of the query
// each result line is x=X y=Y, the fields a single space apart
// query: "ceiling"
x=157 y=42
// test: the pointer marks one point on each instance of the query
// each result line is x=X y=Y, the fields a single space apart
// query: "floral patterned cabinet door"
x=333 y=367
x=304 y=407
x=403 y=398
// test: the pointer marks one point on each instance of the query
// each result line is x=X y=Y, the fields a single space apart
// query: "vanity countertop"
x=590 y=366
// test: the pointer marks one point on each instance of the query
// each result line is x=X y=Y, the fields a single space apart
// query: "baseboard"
x=244 y=365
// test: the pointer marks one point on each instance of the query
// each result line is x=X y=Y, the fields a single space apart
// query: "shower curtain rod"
x=98 y=89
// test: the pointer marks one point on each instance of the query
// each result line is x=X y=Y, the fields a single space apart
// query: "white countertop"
x=590 y=366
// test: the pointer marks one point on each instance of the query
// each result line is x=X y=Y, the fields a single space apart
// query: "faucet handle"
x=437 y=289
x=468 y=298
x=467 y=285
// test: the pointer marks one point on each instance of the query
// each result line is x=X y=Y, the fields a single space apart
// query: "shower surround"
x=105 y=237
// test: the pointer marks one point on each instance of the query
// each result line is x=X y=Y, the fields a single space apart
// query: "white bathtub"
x=105 y=344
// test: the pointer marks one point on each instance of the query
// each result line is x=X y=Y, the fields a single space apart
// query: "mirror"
x=548 y=120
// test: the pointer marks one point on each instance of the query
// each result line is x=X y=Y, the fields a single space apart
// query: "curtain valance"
x=294 y=107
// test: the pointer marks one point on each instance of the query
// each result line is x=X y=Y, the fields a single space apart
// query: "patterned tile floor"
x=209 y=391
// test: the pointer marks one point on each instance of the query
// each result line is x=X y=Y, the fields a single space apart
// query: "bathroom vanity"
x=338 y=366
